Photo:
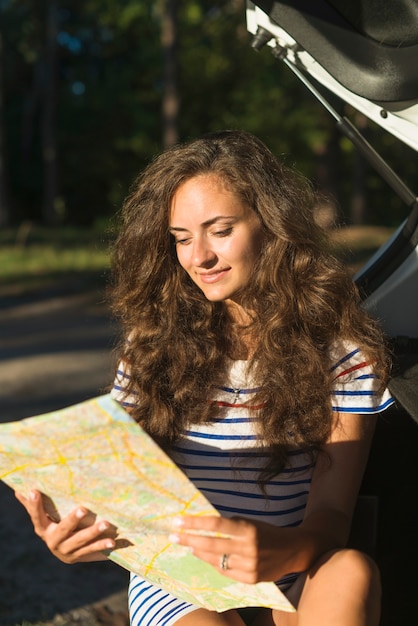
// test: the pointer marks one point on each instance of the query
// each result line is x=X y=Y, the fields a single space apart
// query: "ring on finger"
x=223 y=563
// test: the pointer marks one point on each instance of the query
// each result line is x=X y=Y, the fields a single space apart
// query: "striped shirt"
x=223 y=457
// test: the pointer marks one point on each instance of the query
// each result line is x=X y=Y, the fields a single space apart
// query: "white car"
x=365 y=52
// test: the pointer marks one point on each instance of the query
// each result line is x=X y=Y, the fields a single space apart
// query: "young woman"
x=247 y=357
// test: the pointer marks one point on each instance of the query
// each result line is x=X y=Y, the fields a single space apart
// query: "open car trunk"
x=366 y=53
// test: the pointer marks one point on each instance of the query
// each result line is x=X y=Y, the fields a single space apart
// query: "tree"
x=5 y=196
x=48 y=119
x=4 y=181
x=112 y=82
x=170 y=96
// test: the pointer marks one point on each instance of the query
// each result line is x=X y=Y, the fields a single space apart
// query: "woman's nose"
x=202 y=253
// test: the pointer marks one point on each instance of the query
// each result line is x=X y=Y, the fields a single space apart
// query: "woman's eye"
x=223 y=233
x=182 y=242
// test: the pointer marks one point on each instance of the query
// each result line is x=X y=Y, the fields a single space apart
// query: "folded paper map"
x=94 y=454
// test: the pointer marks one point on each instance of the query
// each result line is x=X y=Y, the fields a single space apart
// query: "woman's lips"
x=213 y=277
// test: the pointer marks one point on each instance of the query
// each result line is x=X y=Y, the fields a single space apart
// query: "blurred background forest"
x=91 y=90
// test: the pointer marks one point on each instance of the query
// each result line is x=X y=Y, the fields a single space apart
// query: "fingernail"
x=110 y=544
x=103 y=526
x=80 y=513
x=33 y=495
x=173 y=538
x=177 y=522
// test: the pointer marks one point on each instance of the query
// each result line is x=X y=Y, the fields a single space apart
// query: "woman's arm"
x=335 y=485
x=77 y=537
x=259 y=551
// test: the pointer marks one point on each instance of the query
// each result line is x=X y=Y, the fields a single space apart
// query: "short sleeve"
x=355 y=388
x=120 y=383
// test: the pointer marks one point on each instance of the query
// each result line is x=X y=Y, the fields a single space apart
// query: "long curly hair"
x=177 y=344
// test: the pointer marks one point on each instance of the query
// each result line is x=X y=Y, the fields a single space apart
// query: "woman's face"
x=218 y=239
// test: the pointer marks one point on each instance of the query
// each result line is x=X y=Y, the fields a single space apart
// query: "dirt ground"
x=55 y=350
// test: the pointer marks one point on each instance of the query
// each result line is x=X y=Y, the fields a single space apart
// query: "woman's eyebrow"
x=210 y=222
x=176 y=229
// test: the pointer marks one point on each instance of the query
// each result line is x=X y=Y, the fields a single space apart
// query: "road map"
x=94 y=454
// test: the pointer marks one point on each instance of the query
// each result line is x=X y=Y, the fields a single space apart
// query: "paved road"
x=53 y=352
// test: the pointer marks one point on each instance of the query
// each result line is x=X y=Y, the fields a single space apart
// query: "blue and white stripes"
x=354 y=384
x=150 y=606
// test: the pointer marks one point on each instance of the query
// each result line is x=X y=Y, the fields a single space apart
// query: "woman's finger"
x=217 y=535
x=81 y=549
x=34 y=506
x=68 y=539
x=78 y=536
x=211 y=524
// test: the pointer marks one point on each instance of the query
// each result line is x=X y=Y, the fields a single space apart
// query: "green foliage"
x=33 y=258
x=110 y=86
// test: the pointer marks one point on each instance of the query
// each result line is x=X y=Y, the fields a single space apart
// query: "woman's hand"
x=255 y=551
x=77 y=537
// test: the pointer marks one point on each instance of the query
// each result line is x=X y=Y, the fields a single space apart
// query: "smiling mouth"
x=213 y=277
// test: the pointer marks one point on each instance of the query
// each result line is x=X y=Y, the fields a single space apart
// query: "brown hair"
x=304 y=301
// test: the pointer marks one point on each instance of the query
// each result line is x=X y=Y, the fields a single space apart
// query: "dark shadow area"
x=404 y=381
x=24 y=288
x=392 y=478
x=50 y=327
x=34 y=584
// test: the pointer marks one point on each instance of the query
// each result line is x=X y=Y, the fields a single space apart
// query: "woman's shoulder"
x=355 y=387
x=346 y=358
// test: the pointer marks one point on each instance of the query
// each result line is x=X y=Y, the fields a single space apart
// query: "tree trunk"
x=4 y=182
x=327 y=159
x=358 y=201
x=170 y=99
x=48 y=120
